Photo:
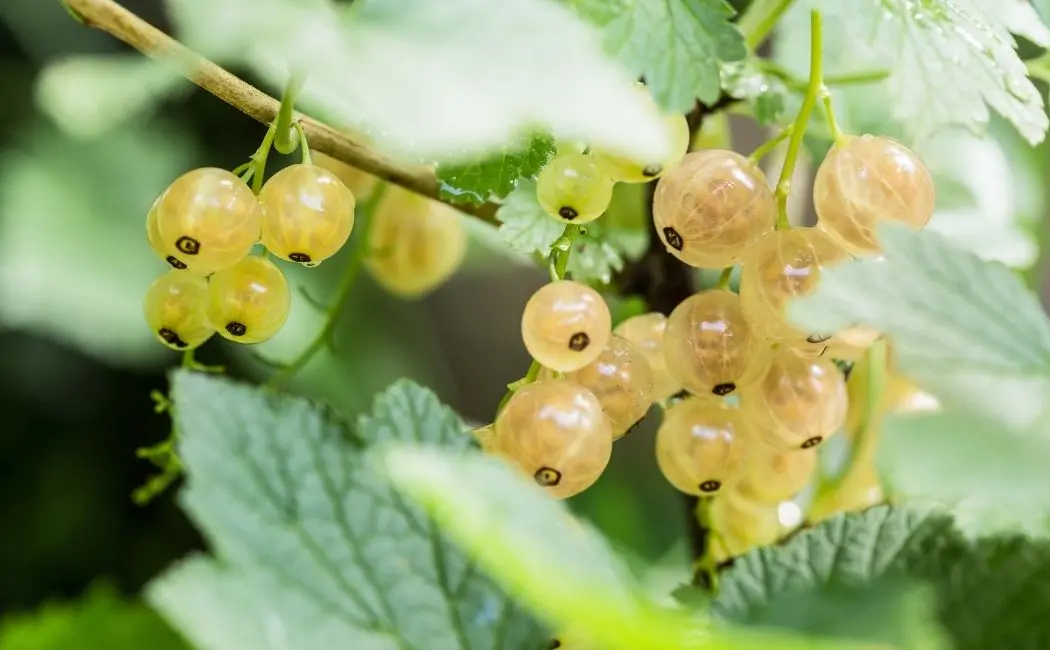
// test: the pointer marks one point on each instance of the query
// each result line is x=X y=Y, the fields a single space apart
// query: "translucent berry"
x=625 y=170
x=798 y=403
x=772 y=476
x=170 y=255
x=867 y=180
x=249 y=301
x=713 y=206
x=208 y=219
x=700 y=445
x=416 y=244
x=566 y=325
x=708 y=345
x=572 y=188
x=307 y=214
x=739 y=525
x=174 y=310
x=781 y=266
x=360 y=183
x=621 y=380
x=647 y=333
x=485 y=436
x=555 y=431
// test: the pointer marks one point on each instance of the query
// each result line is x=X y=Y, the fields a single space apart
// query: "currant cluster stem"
x=814 y=91
x=114 y=19
x=284 y=142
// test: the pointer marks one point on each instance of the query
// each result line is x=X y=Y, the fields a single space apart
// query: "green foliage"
x=557 y=566
x=310 y=541
x=99 y=619
x=493 y=178
x=765 y=93
x=444 y=81
x=970 y=333
x=524 y=226
x=676 y=45
x=951 y=61
x=989 y=593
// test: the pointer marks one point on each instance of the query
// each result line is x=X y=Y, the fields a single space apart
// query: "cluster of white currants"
x=760 y=395
x=207 y=222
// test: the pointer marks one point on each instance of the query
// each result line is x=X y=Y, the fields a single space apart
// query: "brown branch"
x=114 y=19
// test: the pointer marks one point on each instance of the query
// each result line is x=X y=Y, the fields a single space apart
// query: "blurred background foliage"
x=79 y=363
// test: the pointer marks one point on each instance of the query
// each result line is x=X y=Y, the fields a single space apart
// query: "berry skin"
x=712 y=207
x=621 y=380
x=700 y=446
x=798 y=403
x=416 y=243
x=360 y=183
x=485 y=436
x=566 y=325
x=781 y=266
x=772 y=476
x=741 y=525
x=867 y=180
x=170 y=255
x=573 y=189
x=248 y=302
x=208 y=218
x=307 y=214
x=708 y=345
x=624 y=170
x=174 y=310
x=647 y=333
x=555 y=431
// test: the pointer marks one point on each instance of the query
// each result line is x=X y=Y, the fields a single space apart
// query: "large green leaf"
x=310 y=541
x=447 y=81
x=991 y=593
x=677 y=45
x=98 y=619
x=951 y=60
x=493 y=178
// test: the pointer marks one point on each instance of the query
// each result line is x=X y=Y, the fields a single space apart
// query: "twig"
x=117 y=21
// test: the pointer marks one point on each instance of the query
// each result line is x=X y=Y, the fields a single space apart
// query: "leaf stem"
x=342 y=292
x=813 y=91
x=284 y=142
x=853 y=78
x=769 y=145
x=303 y=144
x=760 y=19
x=724 y=278
x=259 y=158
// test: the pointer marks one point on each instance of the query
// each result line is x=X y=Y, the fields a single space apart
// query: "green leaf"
x=766 y=94
x=439 y=81
x=951 y=61
x=493 y=178
x=676 y=45
x=310 y=541
x=990 y=593
x=100 y=618
x=560 y=568
x=1021 y=18
x=594 y=258
x=88 y=96
x=524 y=226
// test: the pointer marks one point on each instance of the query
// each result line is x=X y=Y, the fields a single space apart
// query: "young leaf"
x=988 y=593
x=560 y=568
x=765 y=93
x=310 y=540
x=524 y=226
x=494 y=177
x=594 y=258
x=951 y=61
x=676 y=45
x=441 y=81
x=100 y=618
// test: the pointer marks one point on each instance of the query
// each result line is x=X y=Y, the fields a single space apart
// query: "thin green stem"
x=284 y=142
x=723 y=280
x=342 y=292
x=241 y=169
x=706 y=566
x=769 y=145
x=855 y=78
x=829 y=114
x=760 y=19
x=259 y=158
x=303 y=144
x=813 y=90
x=562 y=249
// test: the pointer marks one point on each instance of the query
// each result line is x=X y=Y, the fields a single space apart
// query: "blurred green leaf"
x=1021 y=17
x=559 y=567
x=676 y=45
x=1043 y=6
x=74 y=261
x=594 y=258
x=100 y=618
x=88 y=96
x=765 y=92
x=992 y=593
x=951 y=62
x=447 y=81
x=524 y=226
x=496 y=176
x=309 y=540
